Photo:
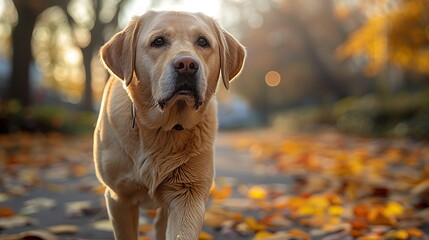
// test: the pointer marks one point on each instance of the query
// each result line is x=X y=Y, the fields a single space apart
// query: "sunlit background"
x=356 y=66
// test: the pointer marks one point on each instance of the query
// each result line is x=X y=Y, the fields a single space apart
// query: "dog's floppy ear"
x=232 y=55
x=119 y=53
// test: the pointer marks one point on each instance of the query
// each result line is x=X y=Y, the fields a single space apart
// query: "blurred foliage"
x=399 y=35
x=14 y=117
x=402 y=114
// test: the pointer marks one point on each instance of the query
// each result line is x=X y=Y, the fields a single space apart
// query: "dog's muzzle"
x=186 y=77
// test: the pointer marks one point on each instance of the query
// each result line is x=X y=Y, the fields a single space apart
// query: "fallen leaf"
x=393 y=209
x=144 y=228
x=415 y=232
x=6 y=211
x=262 y=235
x=63 y=229
x=16 y=221
x=38 y=204
x=376 y=216
x=37 y=235
x=103 y=225
x=277 y=220
x=80 y=208
x=4 y=197
x=254 y=224
x=205 y=236
x=257 y=193
x=79 y=170
x=299 y=233
x=336 y=210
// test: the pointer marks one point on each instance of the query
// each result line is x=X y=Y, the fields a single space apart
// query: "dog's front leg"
x=123 y=214
x=161 y=223
x=186 y=215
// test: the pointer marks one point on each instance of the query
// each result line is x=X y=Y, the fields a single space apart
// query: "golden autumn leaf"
x=262 y=235
x=205 y=236
x=376 y=216
x=393 y=209
x=254 y=224
x=336 y=210
x=220 y=193
x=299 y=234
x=144 y=228
x=257 y=193
x=415 y=232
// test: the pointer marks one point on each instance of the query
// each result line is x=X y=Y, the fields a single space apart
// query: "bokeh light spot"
x=272 y=78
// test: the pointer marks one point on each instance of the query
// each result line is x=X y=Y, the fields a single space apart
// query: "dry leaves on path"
x=344 y=187
x=335 y=187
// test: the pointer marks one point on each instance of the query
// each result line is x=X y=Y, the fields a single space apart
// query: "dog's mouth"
x=186 y=93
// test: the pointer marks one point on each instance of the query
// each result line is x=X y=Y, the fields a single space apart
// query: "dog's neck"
x=177 y=127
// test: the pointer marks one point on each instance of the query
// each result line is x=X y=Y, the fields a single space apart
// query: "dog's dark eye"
x=202 y=42
x=158 y=42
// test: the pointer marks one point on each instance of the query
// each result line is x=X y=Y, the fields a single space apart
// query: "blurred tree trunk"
x=88 y=53
x=19 y=82
x=314 y=58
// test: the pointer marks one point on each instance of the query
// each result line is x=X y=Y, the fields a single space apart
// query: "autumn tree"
x=100 y=21
x=393 y=34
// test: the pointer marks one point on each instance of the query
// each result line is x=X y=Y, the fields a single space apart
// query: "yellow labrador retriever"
x=153 y=143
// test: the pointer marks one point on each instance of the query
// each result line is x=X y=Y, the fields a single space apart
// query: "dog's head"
x=177 y=56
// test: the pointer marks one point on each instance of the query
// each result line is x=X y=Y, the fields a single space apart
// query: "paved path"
x=232 y=165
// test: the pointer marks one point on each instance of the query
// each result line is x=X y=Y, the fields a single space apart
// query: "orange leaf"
x=6 y=212
x=262 y=235
x=151 y=213
x=359 y=224
x=144 y=228
x=299 y=233
x=205 y=236
x=361 y=211
x=415 y=232
x=79 y=170
x=253 y=224
x=222 y=193
x=376 y=216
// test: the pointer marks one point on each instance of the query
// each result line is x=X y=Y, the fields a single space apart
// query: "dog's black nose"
x=186 y=65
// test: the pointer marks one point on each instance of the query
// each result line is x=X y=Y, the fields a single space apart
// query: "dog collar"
x=133 y=115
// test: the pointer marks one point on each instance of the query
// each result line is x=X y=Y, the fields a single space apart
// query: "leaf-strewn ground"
x=269 y=186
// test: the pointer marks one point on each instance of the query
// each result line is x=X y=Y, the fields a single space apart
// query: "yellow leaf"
x=401 y=235
x=262 y=235
x=205 y=236
x=257 y=193
x=393 y=209
x=253 y=224
x=336 y=210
